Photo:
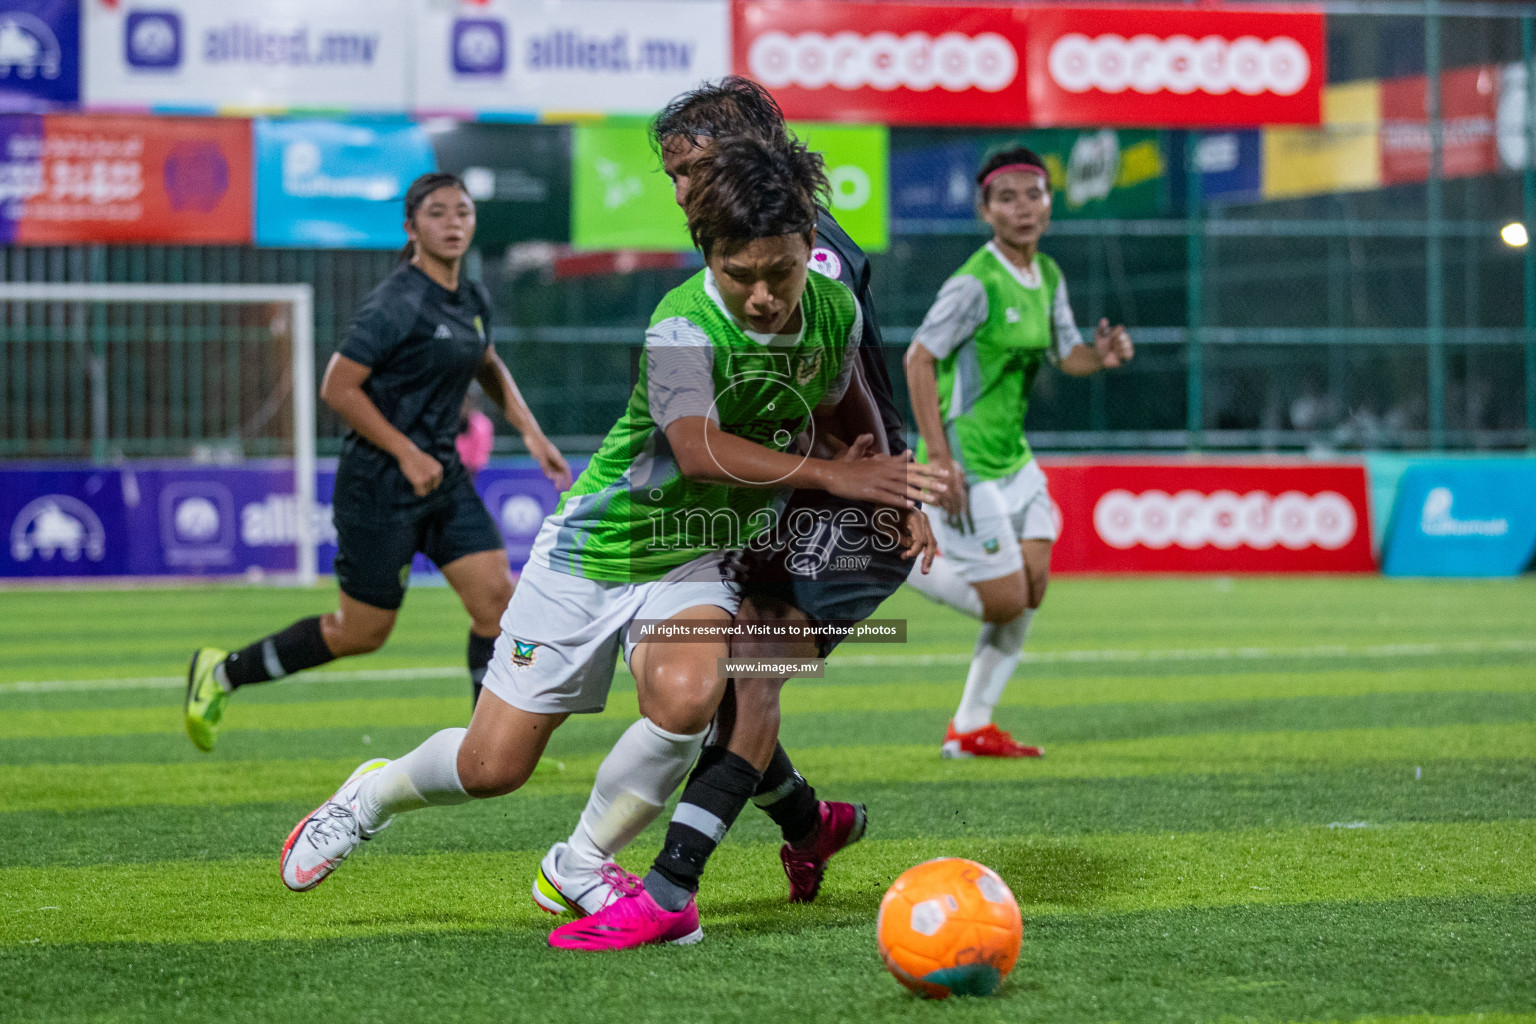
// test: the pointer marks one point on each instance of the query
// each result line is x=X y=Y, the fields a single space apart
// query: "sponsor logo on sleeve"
x=826 y=262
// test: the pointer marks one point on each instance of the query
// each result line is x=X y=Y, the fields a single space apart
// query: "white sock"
x=633 y=783
x=997 y=655
x=426 y=777
x=944 y=585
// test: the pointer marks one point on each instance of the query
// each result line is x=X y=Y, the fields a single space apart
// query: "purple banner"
x=39 y=54
x=172 y=519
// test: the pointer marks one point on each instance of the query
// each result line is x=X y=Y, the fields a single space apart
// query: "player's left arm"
x=497 y=381
x=1111 y=346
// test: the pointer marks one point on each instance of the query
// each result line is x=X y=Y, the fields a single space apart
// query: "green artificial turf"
x=1298 y=799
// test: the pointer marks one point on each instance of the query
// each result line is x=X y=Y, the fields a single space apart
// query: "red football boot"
x=988 y=741
x=840 y=825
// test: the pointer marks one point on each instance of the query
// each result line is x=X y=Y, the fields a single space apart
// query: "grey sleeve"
x=679 y=372
x=954 y=316
x=1067 y=335
x=850 y=353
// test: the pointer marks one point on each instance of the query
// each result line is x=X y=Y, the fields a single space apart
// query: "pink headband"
x=1009 y=168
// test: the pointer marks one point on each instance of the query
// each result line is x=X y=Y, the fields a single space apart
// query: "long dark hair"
x=743 y=188
x=716 y=110
x=417 y=194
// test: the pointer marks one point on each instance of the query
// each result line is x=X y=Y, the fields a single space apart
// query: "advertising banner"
x=1174 y=66
x=168 y=519
x=596 y=56
x=620 y=199
x=1467 y=517
x=518 y=175
x=276 y=55
x=1210 y=517
x=336 y=184
x=1101 y=173
x=39 y=55
x=858 y=169
x=1230 y=165
x=884 y=63
x=1469 y=110
x=68 y=178
x=1342 y=156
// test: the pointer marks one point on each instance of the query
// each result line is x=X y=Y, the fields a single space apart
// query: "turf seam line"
x=874 y=660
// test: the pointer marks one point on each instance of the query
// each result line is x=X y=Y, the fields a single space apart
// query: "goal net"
x=199 y=373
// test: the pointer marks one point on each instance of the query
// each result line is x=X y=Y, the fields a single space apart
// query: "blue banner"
x=171 y=519
x=936 y=182
x=39 y=55
x=1230 y=165
x=336 y=184
x=1463 y=518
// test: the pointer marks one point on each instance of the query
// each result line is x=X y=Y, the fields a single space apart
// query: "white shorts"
x=1002 y=513
x=561 y=635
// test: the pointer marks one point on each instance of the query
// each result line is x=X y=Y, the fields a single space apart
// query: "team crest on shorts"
x=524 y=654
x=990 y=546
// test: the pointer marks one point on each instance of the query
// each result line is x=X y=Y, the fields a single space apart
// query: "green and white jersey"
x=632 y=516
x=990 y=330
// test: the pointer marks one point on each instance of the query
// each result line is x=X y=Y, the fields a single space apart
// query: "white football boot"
x=328 y=834
x=576 y=892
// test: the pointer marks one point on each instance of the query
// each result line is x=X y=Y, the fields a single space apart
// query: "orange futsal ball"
x=950 y=926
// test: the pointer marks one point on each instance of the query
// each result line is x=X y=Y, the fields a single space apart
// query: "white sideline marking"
x=871 y=660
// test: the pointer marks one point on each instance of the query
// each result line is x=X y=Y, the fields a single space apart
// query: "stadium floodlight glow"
x=1514 y=234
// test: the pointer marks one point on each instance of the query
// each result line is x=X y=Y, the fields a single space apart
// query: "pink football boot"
x=632 y=919
x=841 y=825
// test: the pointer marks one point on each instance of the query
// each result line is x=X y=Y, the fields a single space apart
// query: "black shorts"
x=373 y=555
x=826 y=560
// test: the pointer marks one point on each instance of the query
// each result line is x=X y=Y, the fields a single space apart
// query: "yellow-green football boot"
x=205 y=698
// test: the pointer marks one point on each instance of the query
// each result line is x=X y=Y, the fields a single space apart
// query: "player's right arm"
x=706 y=452
x=951 y=322
x=342 y=390
x=681 y=396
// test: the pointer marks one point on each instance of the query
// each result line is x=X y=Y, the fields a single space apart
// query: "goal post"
x=25 y=406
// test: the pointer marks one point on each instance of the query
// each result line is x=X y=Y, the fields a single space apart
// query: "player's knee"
x=349 y=638
x=490 y=605
x=485 y=777
x=1037 y=585
x=1000 y=608
x=682 y=698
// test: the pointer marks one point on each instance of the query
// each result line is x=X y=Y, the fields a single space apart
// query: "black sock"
x=295 y=649
x=788 y=799
x=718 y=789
x=480 y=650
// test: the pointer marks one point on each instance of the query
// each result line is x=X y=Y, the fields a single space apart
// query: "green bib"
x=984 y=384
x=632 y=516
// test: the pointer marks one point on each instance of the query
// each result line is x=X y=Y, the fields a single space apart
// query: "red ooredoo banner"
x=1211 y=517
x=886 y=63
x=1174 y=66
